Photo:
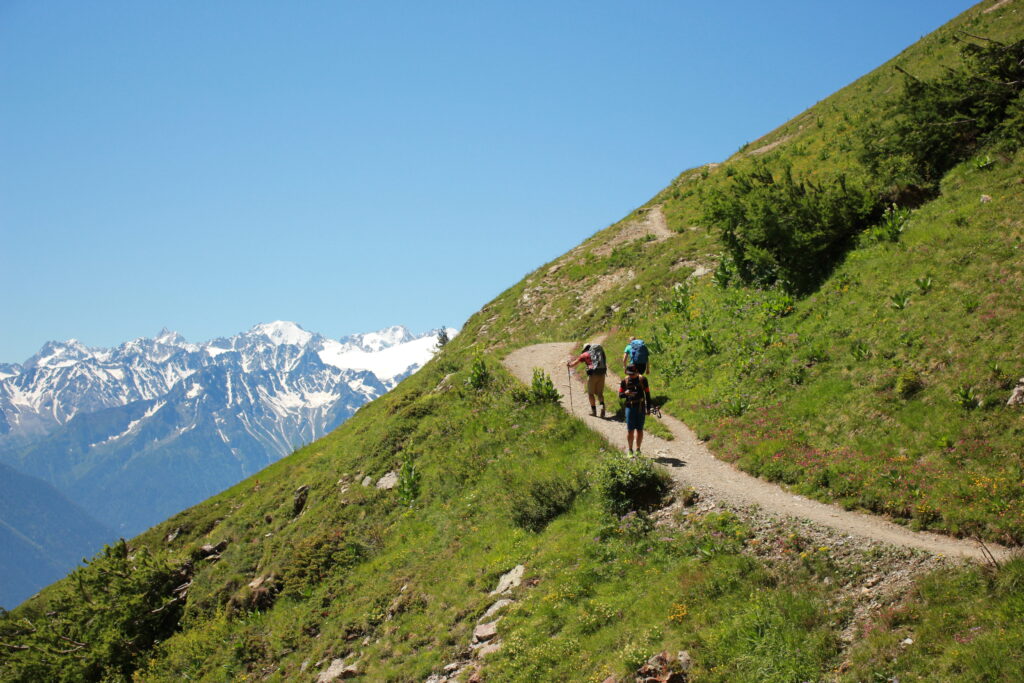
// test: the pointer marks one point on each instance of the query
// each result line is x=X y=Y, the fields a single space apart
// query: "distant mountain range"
x=139 y=432
x=42 y=535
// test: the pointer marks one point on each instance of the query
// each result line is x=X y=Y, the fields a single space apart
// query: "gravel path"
x=692 y=464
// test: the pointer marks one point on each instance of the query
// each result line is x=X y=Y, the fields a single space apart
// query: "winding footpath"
x=692 y=464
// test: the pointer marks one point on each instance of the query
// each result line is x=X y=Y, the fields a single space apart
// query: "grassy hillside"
x=881 y=386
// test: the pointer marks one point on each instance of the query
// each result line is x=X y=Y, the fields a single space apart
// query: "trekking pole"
x=568 y=375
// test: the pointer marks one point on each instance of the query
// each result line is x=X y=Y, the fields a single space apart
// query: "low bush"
x=542 y=389
x=479 y=375
x=630 y=484
x=315 y=558
x=533 y=504
x=908 y=383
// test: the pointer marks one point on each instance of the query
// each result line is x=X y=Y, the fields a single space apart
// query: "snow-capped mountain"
x=138 y=432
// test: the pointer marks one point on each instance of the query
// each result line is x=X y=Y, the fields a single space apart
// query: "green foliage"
x=924 y=284
x=935 y=124
x=777 y=304
x=894 y=222
x=408 y=483
x=537 y=500
x=542 y=389
x=780 y=229
x=99 y=624
x=315 y=558
x=479 y=376
x=735 y=405
x=705 y=340
x=630 y=484
x=900 y=300
x=860 y=350
x=680 y=300
x=724 y=273
x=908 y=383
x=966 y=397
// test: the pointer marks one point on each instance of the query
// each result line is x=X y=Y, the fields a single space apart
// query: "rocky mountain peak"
x=282 y=332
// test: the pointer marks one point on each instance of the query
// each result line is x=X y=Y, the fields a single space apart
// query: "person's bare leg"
x=639 y=439
x=629 y=439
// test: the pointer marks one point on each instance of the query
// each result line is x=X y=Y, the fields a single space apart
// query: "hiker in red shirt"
x=597 y=368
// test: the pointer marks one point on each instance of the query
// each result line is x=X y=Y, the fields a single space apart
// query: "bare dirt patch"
x=651 y=222
x=769 y=147
x=1001 y=3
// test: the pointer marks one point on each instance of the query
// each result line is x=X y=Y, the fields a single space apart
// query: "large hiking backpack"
x=638 y=352
x=634 y=393
x=598 y=362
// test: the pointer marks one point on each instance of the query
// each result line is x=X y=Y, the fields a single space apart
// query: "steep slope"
x=884 y=387
x=693 y=466
x=464 y=525
x=43 y=535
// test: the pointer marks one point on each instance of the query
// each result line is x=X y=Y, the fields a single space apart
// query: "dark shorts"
x=635 y=417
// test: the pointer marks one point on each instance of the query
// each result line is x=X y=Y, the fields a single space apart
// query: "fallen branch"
x=19 y=648
x=989 y=557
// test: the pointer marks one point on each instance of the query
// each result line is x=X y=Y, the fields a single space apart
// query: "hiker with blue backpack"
x=597 y=368
x=636 y=354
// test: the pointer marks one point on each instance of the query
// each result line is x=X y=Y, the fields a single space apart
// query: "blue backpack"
x=638 y=351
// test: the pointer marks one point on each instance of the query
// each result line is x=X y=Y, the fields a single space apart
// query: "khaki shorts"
x=595 y=386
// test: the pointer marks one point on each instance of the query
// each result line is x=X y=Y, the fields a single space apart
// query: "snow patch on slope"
x=386 y=363
x=284 y=332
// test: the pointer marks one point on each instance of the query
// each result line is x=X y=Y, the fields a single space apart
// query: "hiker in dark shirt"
x=636 y=396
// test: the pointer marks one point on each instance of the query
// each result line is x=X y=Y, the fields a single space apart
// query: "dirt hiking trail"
x=692 y=464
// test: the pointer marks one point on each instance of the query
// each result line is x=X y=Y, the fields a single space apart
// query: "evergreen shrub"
x=778 y=229
x=935 y=124
x=631 y=484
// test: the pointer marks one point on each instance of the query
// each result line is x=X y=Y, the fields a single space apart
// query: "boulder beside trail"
x=485 y=632
x=337 y=670
x=495 y=608
x=1017 y=396
x=388 y=481
x=510 y=580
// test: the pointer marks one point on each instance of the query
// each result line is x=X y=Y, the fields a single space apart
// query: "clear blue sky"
x=206 y=166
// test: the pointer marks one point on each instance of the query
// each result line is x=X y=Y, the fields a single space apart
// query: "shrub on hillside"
x=99 y=623
x=314 y=558
x=408 y=483
x=630 y=484
x=908 y=383
x=479 y=375
x=934 y=125
x=534 y=503
x=778 y=229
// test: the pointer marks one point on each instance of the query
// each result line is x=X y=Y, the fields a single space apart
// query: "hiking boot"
x=602 y=410
x=593 y=411
x=631 y=452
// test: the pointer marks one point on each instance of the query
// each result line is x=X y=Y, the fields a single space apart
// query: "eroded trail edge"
x=692 y=464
